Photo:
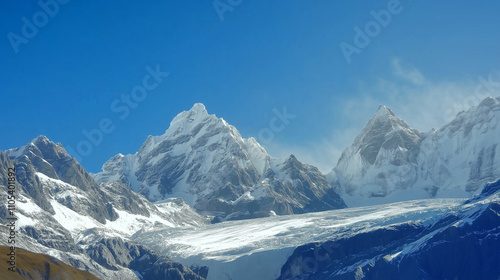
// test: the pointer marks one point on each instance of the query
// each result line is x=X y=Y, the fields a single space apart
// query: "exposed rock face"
x=461 y=246
x=42 y=155
x=382 y=158
x=26 y=179
x=122 y=198
x=391 y=162
x=204 y=160
x=53 y=236
x=339 y=254
x=61 y=209
x=112 y=253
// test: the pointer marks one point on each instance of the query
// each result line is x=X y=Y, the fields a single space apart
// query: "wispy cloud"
x=409 y=74
x=422 y=102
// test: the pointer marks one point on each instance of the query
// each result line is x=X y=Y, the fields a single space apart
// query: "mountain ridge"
x=389 y=161
x=207 y=162
x=103 y=222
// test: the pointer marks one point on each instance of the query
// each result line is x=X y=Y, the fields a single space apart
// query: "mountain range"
x=202 y=202
x=389 y=161
x=204 y=160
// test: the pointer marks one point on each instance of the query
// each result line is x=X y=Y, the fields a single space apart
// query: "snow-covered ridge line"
x=206 y=162
x=389 y=161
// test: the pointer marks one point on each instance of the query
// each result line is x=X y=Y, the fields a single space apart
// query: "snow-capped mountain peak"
x=207 y=162
x=385 y=120
x=60 y=209
x=389 y=161
x=384 y=131
x=383 y=112
x=385 y=139
x=191 y=118
x=37 y=146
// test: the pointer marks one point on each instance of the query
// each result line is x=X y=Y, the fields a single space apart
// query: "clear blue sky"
x=257 y=56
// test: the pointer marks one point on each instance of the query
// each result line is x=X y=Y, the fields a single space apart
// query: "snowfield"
x=257 y=248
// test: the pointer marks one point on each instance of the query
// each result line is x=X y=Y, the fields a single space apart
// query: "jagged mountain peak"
x=54 y=161
x=40 y=146
x=488 y=104
x=44 y=143
x=197 y=114
x=384 y=131
x=391 y=161
x=387 y=119
x=483 y=117
x=384 y=112
x=40 y=139
x=386 y=139
x=489 y=101
x=191 y=124
x=207 y=162
x=291 y=161
x=199 y=108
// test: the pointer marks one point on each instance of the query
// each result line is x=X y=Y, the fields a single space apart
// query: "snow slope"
x=205 y=161
x=50 y=237
x=234 y=249
x=61 y=210
x=389 y=161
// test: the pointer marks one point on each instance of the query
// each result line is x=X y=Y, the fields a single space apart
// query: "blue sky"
x=243 y=62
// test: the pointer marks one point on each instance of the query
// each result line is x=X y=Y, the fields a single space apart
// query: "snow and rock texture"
x=53 y=161
x=389 y=161
x=382 y=158
x=205 y=161
x=63 y=211
x=461 y=245
x=258 y=248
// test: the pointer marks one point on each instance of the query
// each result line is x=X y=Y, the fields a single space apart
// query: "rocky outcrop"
x=310 y=261
x=63 y=210
x=113 y=253
x=42 y=155
x=26 y=180
x=206 y=161
x=464 y=245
